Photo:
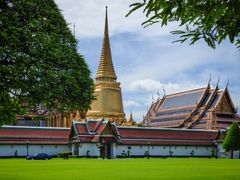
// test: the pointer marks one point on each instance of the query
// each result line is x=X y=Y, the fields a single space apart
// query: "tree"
x=39 y=62
x=232 y=139
x=211 y=20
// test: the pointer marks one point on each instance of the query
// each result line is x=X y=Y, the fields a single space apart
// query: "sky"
x=145 y=59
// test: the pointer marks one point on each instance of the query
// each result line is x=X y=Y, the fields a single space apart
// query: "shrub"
x=64 y=155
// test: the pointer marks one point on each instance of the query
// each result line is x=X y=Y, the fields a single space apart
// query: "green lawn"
x=155 y=168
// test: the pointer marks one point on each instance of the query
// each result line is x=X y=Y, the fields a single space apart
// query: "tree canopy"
x=211 y=20
x=232 y=139
x=39 y=62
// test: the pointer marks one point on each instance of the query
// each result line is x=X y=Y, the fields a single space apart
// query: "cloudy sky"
x=145 y=59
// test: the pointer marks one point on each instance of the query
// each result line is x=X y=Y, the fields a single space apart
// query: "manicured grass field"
x=154 y=168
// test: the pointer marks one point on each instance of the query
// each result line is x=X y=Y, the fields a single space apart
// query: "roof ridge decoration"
x=99 y=124
x=101 y=131
x=106 y=68
x=210 y=78
x=73 y=131
x=226 y=93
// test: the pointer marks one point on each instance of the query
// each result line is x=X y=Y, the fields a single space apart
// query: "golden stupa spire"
x=108 y=103
x=105 y=68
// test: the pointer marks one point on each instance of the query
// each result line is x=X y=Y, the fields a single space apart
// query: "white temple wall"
x=91 y=147
x=224 y=154
x=24 y=149
x=164 y=150
x=114 y=150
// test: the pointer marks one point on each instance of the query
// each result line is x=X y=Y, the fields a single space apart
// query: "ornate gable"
x=225 y=104
x=73 y=133
x=108 y=130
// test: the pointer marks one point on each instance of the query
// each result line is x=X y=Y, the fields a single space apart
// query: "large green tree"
x=232 y=139
x=39 y=62
x=211 y=20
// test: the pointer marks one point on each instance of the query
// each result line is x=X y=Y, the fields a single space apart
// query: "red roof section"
x=34 y=135
x=81 y=128
x=166 y=136
x=123 y=135
x=166 y=133
x=93 y=125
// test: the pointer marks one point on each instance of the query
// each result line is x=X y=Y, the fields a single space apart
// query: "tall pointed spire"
x=131 y=117
x=105 y=68
x=108 y=103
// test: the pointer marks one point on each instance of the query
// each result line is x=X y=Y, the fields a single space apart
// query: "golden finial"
x=105 y=68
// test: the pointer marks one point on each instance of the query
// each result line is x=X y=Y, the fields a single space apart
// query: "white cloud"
x=130 y=103
x=150 y=85
x=88 y=18
x=144 y=85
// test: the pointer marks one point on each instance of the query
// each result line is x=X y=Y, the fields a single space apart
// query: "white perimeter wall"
x=91 y=147
x=10 y=150
x=164 y=150
x=223 y=153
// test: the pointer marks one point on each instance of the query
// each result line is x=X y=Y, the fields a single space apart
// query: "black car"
x=39 y=156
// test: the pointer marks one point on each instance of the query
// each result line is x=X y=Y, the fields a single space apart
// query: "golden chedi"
x=108 y=103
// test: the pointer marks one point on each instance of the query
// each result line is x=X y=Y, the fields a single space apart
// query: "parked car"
x=39 y=156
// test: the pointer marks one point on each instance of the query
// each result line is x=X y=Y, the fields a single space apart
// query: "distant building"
x=204 y=108
x=130 y=121
x=31 y=120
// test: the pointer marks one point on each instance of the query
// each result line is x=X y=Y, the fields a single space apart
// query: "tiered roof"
x=197 y=108
x=93 y=131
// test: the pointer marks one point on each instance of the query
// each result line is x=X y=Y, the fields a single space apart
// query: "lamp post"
x=216 y=149
x=27 y=147
x=148 y=150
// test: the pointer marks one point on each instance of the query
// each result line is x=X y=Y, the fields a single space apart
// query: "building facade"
x=101 y=138
x=104 y=139
x=20 y=141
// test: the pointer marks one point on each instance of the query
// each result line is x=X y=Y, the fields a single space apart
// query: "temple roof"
x=188 y=98
x=33 y=135
x=166 y=136
x=105 y=68
x=191 y=109
x=93 y=130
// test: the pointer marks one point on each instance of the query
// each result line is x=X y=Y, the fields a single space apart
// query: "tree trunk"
x=231 y=153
